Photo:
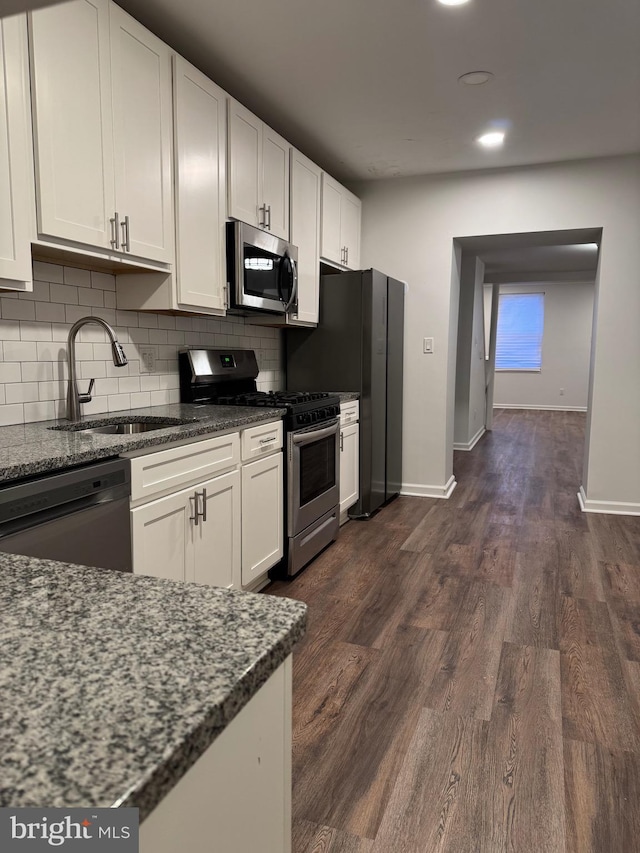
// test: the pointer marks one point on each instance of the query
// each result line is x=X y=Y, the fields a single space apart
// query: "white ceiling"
x=537 y=256
x=368 y=88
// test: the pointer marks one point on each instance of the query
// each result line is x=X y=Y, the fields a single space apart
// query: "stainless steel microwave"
x=261 y=270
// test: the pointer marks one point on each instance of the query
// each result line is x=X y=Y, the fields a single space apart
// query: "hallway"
x=470 y=679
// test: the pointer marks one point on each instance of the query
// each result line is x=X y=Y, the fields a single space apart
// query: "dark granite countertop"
x=112 y=685
x=347 y=396
x=28 y=449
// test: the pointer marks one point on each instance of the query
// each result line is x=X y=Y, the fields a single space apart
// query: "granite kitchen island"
x=113 y=686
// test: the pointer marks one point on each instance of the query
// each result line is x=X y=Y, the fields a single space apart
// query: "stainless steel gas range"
x=312 y=430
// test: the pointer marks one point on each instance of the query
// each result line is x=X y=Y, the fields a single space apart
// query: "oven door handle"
x=300 y=439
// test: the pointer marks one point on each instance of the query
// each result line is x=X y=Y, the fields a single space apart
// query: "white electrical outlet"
x=147 y=359
x=562 y=392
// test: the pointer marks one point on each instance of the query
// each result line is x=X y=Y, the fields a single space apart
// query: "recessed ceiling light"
x=453 y=2
x=493 y=139
x=475 y=78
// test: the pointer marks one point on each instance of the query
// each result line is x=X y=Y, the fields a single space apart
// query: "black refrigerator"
x=358 y=346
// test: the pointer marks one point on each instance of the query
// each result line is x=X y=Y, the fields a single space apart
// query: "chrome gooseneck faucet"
x=74 y=399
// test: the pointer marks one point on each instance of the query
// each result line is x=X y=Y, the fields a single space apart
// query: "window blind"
x=519 y=334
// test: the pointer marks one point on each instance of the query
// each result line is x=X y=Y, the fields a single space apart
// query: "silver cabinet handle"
x=346 y=256
x=204 y=504
x=267 y=440
x=268 y=210
x=262 y=216
x=115 y=228
x=196 y=514
x=126 y=244
x=341 y=442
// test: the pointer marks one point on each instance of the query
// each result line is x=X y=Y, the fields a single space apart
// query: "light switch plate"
x=427 y=345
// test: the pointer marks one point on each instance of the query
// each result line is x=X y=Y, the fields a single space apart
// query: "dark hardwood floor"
x=470 y=679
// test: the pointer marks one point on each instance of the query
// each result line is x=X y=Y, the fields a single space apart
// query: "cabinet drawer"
x=260 y=440
x=168 y=470
x=349 y=412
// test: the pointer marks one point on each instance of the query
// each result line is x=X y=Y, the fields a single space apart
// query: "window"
x=519 y=335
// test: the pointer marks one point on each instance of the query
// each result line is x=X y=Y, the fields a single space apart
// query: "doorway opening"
x=525 y=326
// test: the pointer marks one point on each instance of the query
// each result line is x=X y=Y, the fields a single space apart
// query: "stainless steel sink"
x=113 y=427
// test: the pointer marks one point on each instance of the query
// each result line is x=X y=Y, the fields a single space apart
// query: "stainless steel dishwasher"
x=77 y=516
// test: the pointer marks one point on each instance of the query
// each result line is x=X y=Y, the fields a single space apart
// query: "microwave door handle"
x=314 y=435
x=294 y=284
x=279 y=280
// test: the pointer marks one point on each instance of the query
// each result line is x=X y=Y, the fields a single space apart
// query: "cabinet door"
x=200 y=138
x=351 y=214
x=305 y=233
x=160 y=537
x=262 y=516
x=275 y=182
x=244 y=164
x=349 y=466
x=16 y=165
x=216 y=538
x=71 y=88
x=331 y=241
x=142 y=130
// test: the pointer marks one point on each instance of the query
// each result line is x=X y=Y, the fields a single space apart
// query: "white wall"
x=34 y=329
x=470 y=403
x=409 y=226
x=566 y=344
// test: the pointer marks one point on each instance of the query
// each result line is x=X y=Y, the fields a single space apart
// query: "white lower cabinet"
x=237 y=796
x=262 y=525
x=349 y=466
x=210 y=511
x=192 y=535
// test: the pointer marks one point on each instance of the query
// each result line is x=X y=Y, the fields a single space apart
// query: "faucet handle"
x=86 y=398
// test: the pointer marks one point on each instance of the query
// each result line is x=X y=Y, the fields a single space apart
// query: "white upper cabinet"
x=17 y=226
x=305 y=233
x=142 y=130
x=258 y=184
x=102 y=122
x=200 y=169
x=71 y=87
x=341 y=222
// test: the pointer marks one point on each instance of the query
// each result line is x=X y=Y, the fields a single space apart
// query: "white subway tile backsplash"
x=48 y=272
x=21 y=392
x=64 y=293
x=12 y=414
x=118 y=402
x=50 y=312
x=37 y=371
x=9 y=372
x=51 y=351
x=43 y=411
x=140 y=399
x=91 y=296
x=9 y=330
x=15 y=309
x=34 y=329
x=20 y=351
x=103 y=281
x=148 y=321
x=77 y=277
x=129 y=384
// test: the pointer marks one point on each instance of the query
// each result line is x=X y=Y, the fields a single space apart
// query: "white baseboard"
x=540 y=408
x=417 y=490
x=459 y=445
x=607 y=507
